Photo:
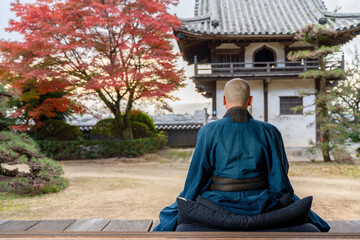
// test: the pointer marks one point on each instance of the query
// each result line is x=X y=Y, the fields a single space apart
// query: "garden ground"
x=138 y=188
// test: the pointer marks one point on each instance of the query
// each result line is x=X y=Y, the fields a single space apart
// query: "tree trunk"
x=127 y=130
x=127 y=133
x=323 y=114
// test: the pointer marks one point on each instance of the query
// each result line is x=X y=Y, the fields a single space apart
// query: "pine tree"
x=316 y=35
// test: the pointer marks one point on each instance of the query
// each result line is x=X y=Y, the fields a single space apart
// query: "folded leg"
x=185 y=227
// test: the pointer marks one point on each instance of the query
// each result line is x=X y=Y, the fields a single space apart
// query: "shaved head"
x=237 y=92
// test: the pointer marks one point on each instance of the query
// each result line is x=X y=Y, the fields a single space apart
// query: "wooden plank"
x=175 y=235
x=51 y=225
x=128 y=226
x=345 y=226
x=155 y=223
x=3 y=221
x=11 y=225
x=87 y=225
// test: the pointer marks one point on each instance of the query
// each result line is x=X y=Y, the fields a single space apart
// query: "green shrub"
x=140 y=130
x=49 y=129
x=138 y=116
x=44 y=174
x=106 y=129
x=92 y=149
x=54 y=129
x=68 y=133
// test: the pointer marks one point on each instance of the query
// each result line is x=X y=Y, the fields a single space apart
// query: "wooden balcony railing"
x=239 y=68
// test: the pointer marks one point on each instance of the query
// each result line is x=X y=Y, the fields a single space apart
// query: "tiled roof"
x=85 y=128
x=263 y=17
x=162 y=126
x=177 y=126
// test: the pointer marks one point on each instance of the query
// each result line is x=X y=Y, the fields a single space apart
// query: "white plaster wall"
x=220 y=109
x=257 y=108
x=277 y=47
x=297 y=130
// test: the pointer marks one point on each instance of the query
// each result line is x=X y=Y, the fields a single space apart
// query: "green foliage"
x=7 y=101
x=328 y=74
x=305 y=54
x=54 y=129
x=44 y=174
x=140 y=130
x=107 y=129
x=68 y=133
x=14 y=146
x=344 y=104
x=314 y=34
x=91 y=149
x=141 y=124
x=317 y=36
x=50 y=169
x=138 y=116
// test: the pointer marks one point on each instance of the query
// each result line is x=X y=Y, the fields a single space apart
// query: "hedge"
x=91 y=149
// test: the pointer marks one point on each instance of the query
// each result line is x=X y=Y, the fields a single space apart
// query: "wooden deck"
x=141 y=229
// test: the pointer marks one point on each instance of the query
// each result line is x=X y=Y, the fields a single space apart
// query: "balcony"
x=259 y=69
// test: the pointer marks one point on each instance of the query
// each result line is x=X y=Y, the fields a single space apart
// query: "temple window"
x=287 y=103
x=264 y=54
x=228 y=58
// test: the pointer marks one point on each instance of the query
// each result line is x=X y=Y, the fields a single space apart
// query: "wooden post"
x=317 y=124
x=195 y=66
x=266 y=88
x=231 y=67
x=214 y=112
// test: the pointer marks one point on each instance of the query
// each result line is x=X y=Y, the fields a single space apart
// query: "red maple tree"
x=40 y=96
x=119 y=49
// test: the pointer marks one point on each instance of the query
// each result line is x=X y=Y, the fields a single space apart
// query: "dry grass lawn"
x=138 y=188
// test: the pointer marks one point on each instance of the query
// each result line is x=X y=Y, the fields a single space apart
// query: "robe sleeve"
x=278 y=165
x=197 y=180
x=278 y=179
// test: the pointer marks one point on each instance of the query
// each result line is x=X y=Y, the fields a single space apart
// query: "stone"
x=348 y=153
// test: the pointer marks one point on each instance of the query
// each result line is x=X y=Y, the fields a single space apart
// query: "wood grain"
x=345 y=226
x=175 y=235
x=155 y=223
x=128 y=226
x=11 y=226
x=3 y=221
x=51 y=225
x=87 y=225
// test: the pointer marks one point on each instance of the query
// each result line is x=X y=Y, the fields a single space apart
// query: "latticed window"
x=228 y=58
x=287 y=103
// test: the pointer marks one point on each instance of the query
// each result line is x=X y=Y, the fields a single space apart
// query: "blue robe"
x=237 y=149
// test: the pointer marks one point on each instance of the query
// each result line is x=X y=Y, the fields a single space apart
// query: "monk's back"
x=241 y=149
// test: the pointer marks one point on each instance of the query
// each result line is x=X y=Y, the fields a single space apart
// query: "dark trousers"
x=307 y=227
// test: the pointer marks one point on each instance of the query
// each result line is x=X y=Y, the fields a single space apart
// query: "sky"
x=185 y=8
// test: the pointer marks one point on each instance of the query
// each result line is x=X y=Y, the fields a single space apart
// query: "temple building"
x=250 y=39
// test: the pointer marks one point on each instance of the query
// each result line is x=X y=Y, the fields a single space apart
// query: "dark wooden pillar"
x=242 y=50
x=213 y=45
x=266 y=102
x=317 y=124
x=214 y=112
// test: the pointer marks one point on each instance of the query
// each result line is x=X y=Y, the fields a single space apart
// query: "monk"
x=247 y=152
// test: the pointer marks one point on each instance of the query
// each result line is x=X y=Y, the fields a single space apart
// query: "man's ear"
x=250 y=100
x=224 y=100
